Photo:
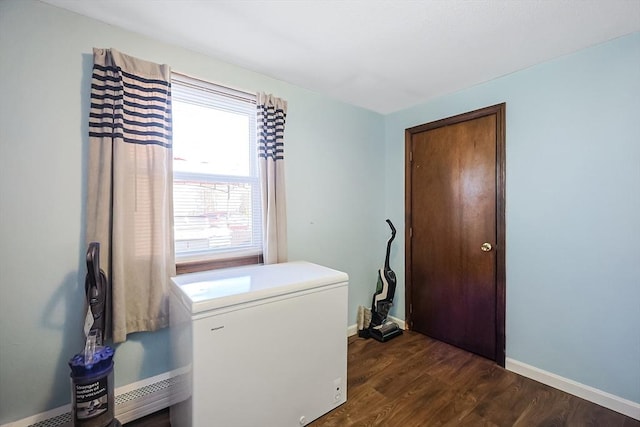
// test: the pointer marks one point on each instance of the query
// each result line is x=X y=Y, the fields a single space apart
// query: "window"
x=216 y=191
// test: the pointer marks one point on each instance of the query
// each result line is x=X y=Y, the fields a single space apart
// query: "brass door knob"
x=486 y=247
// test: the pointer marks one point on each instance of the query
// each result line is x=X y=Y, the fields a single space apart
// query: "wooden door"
x=455 y=231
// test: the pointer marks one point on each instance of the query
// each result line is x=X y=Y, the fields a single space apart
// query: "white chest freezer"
x=260 y=346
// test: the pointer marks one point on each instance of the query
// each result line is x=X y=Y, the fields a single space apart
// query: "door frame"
x=499 y=110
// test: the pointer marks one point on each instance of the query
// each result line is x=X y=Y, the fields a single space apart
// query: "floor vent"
x=131 y=402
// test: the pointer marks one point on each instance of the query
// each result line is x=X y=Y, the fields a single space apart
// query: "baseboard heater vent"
x=145 y=400
x=132 y=401
x=60 y=420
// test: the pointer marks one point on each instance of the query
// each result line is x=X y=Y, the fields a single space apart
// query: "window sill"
x=214 y=264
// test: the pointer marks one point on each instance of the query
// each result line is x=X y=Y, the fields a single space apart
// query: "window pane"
x=209 y=140
x=216 y=191
x=210 y=216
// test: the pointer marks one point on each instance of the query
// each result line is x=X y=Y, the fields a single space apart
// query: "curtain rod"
x=188 y=76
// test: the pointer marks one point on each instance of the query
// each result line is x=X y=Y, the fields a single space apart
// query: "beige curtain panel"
x=271 y=117
x=129 y=192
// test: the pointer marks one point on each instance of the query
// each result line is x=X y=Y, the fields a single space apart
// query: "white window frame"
x=199 y=92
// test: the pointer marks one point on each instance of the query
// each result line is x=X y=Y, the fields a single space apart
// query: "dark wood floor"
x=158 y=419
x=413 y=380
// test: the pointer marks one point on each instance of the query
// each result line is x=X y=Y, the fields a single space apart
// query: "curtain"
x=129 y=190
x=271 y=117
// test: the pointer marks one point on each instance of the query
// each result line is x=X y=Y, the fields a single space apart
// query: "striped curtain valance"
x=136 y=109
x=272 y=115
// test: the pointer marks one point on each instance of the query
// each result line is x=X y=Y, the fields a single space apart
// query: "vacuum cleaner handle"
x=393 y=229
x=96 y=288
x=93 y=265
x=393 y=236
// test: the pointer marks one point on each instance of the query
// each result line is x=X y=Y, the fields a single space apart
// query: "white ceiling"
x=383 y=55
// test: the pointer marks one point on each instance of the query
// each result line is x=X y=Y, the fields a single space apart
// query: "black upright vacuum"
x=380 y=327
x=92 y=393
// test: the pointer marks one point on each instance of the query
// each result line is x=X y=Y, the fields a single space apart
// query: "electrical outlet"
x=337 y=389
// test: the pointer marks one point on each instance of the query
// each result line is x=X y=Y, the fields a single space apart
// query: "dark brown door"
x=455 y=237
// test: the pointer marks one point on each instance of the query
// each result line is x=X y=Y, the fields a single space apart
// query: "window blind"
x=216 y=191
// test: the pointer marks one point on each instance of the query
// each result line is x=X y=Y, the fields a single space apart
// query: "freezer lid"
x=209 y=290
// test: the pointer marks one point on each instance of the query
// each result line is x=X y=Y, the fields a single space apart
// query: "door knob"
x=486 y=247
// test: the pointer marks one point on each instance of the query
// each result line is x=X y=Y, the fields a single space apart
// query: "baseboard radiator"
x=132 y=401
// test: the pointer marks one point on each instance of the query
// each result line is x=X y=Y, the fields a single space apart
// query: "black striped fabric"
x=132 y=108
x=271 y=122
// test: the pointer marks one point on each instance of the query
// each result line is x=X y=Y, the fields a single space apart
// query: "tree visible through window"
x=216 y=192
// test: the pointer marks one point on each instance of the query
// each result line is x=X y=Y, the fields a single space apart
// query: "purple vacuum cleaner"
x=93 y=403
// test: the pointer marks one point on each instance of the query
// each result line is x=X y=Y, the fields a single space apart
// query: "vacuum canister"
x=92 y=388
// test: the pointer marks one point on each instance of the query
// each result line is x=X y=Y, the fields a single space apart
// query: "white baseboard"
x=353 y=329
x=397 y=321
x=602 y=398
x=61 y=412
x=132 y=401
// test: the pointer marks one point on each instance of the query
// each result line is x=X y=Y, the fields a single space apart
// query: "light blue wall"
x=572 y=210
x=573 y=201
x=334 y=182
